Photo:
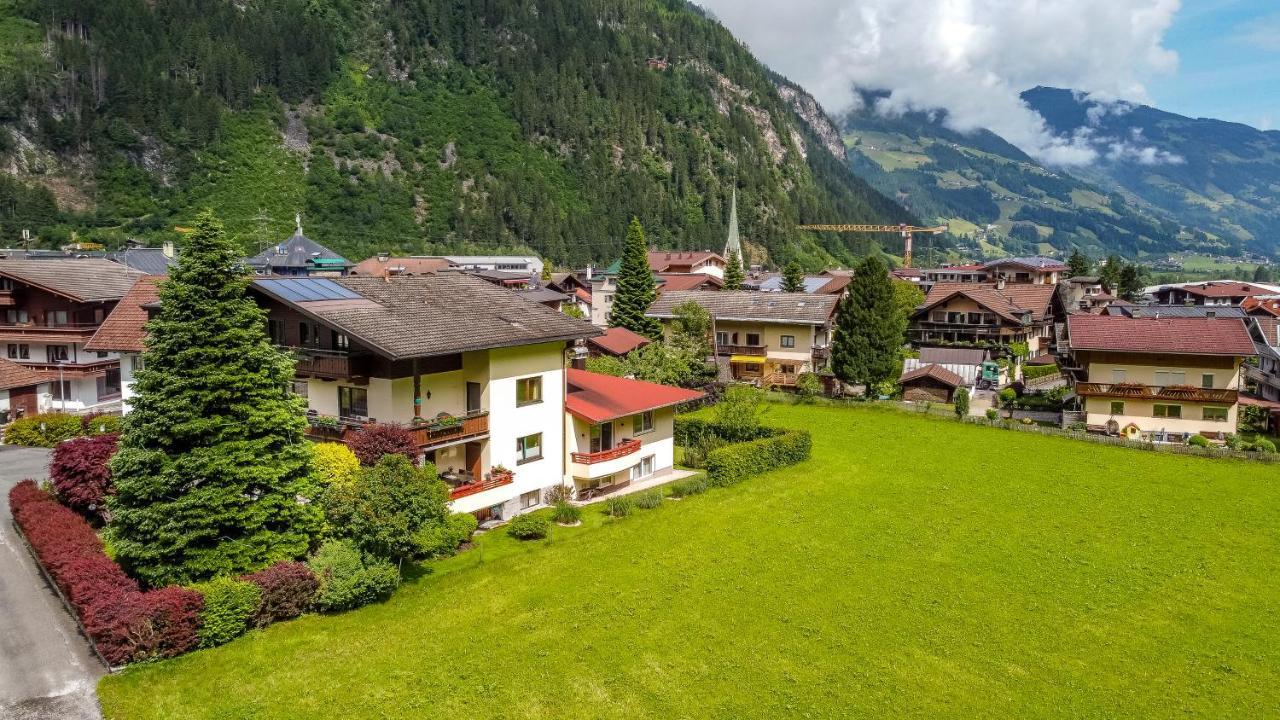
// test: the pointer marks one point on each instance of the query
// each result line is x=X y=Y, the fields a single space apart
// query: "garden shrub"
x=348 y=581
x=101 y=424
x=285 y=589
x=733 y=463
x=992 y=413
x=529 y=527
x=1264 y=445
x=739 y=409
x=174 y=613
x=334 y=464
x=228 y=606
x=1031 y=372
x=566 y=513
x=438 y=540
x=45 y=430
x=619 y=506
x=690 y=486
x=961 y=402
x=1007 y=396
x=375 y=440
x=1198 y=441
x=393 y=502
x=650 y=499
x=80 y=475
x=557 y=494
x=808 y=387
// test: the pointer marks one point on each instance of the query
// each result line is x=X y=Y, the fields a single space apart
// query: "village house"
x=687 y=261
x=524 y=264
x=51 y=309
x=1019 y=270
x=615 y=342
x=619 y=430
x=122 y=332
x=763 y=338
x=996 y=314
x=380 y=265
x=299 y=256
x=955 y=274
x=1217 y=292
x=1262 y=374
x=1160 y=379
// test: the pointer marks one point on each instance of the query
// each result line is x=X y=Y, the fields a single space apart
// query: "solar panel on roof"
x=307 y=290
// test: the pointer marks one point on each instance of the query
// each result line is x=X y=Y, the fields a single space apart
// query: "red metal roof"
x=1175 y=335
x=596 y=398
x=937 y=372
x=618 y=341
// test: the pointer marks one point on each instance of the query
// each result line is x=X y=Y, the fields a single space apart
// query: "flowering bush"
x=286 y=590
x=80 y=474
x=375 y=440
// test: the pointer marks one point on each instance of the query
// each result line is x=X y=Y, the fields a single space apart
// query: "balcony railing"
x=496 y=479
x=781 y=378
x=755 y=350
x=325 y=363
x=449 y=428
x=1168 y=393
x=31 y=329
x=622 y=449
x=821 y=353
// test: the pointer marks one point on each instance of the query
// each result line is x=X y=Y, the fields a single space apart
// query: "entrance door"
x=473 y=459
x=473 y=397
x=22 y=402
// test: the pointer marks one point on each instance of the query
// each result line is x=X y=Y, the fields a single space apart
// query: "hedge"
x=228 y=606
x=734 y=463
x=45 y=430
x=80 y=474
x=1031 y=372
x=691 y=430
x=286 y=590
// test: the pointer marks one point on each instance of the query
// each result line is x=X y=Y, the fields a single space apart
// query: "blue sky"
x=1229 y=62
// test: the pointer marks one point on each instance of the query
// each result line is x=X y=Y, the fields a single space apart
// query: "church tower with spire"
x=734 y=244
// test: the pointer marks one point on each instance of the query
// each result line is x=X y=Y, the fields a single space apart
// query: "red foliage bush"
x=175 y=614
x=80 y=475
x=375 y=440
x=287 y=589
x=24 y=493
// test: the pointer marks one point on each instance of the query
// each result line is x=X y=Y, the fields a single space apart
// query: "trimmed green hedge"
x=1031 y=372
x=228 y=605
x=733 y=455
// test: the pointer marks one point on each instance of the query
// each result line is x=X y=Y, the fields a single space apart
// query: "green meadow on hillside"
x=914 y=567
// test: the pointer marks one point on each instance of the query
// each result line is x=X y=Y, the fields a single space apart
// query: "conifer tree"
x=869 y=328
x=733 y=275
x=636 y=287
x=793 y=278
x=1079 y=264
x=212 y=463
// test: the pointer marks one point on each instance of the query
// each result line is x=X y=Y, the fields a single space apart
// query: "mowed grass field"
x=914 y=567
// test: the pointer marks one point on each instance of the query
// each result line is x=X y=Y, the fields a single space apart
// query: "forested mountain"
x=1219 y=177
x=993 y=195
x=410 y=126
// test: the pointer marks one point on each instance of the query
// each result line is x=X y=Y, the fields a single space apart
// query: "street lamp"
x=62 y=386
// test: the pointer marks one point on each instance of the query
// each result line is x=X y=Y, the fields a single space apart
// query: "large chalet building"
x=996 y=313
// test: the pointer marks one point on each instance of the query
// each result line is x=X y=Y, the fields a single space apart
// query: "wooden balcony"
x=496 y=479
x=450 y=428
x=622 y=449
x=820 y=355
x=754 y=350
x=781 y=379
x=321 y=363
x=66 y=332
x=1170 y=393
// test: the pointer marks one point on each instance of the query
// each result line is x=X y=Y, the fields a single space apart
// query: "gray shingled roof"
x=425 y=315
x=292 y=253
x=80 y=279
x=770 y=307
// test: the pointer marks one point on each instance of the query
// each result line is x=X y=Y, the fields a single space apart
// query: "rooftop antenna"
x=297 y=219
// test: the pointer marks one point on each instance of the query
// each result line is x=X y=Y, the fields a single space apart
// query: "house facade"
x=49 y=310
x=1035 y=270
x=987 y=314
x=122 y=332
x=618 y=431
x=1217 y=292
x=764 y=338
x=687 y=261
x=1160 y=379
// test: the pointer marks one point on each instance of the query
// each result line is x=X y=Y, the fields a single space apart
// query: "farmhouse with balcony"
x=1217 y=292
x=51 y=308
x=984 y=314
x=687 y=261
x=1021 y=270
x=618 y=430
x=1160 y=379
x=763 y=338
x=122 y=332
x=475 y=372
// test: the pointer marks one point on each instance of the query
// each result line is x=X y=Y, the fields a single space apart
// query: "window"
x=306 y=334
x=722 y=337
x=1117 y=375
x=955 y=318
x=61 y=389
x=275 y=331
x=135 y=363
x=19 y=352
x=300 y=388
x=109 y=385
x=528 y=391
x=529 y=448
x=1117 y=407
x=1206 y=381
x=529 y=499
x=1167 y=378
x=101 y=354
x=989 y=318
x=788 y=341
x=642 y=423
x=353 y=402
x=938 y=316
x=753 y=338
x=56 y=318
x=16 y=317
x=1167 y=411
x=341 y=341
x=56 y=353
x=1215 y=414
x=975 y=318
x=644 y=468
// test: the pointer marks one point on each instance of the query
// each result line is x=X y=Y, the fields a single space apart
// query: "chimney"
x=384 y=257
x=167 y=248
x=1136 y=312
x=579 y=359
x=1000 y=281
x=589 y=269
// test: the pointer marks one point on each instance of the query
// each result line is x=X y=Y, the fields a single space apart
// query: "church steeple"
x=733 y=244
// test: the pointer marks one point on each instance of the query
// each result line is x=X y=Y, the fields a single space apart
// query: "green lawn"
x=915 y=567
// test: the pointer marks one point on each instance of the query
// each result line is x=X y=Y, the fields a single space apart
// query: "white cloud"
x=970 y=57
x=1263 y=32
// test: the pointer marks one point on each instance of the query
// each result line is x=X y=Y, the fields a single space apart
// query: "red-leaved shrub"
x=24 y=493
x=175 y=613
x=80 y=474
x=287 y=589
x=375 y=440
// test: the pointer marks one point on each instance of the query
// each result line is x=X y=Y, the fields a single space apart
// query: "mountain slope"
x=1221 y=177
x=996 y=198
x=410 y=126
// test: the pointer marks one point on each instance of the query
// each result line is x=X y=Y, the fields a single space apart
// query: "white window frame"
x=642 y=423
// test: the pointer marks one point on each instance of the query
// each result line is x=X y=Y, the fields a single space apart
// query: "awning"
x=747 y=359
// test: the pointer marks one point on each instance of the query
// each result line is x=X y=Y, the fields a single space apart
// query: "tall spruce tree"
x=870 y=329
x=793 y=278
x=1079 y=264
x=212 y=462
x=636 y=287
x=733 y=275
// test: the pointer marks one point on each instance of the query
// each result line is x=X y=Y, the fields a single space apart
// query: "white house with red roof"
x=617 y=430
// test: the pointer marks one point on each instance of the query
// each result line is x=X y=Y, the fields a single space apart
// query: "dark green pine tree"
x=733 y=275
x=1079 y=264
x=636 y=287
x=212 y=462
x=869 y=329
x=793 y=278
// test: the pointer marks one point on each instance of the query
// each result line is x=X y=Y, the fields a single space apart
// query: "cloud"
x=969 y=57
x=1262 y=33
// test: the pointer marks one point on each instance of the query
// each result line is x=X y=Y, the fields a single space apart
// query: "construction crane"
x=905 y=230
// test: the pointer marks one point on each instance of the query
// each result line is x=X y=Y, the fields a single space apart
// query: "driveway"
x=47 y=670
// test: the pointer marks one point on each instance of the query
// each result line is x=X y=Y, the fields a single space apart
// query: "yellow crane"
x=905 y=230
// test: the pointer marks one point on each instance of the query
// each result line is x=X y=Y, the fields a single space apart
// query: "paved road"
x=46 y=668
